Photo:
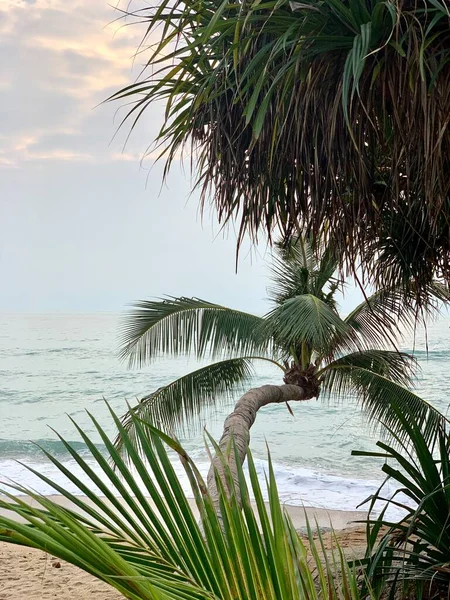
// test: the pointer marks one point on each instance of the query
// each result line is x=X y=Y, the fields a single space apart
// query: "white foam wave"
x=297 y=486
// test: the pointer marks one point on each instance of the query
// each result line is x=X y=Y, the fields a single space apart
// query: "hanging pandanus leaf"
x=326 y=115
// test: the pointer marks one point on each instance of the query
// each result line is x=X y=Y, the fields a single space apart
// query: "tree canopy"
x=325 y=116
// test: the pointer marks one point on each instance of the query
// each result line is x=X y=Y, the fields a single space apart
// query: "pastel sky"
x=85 y=225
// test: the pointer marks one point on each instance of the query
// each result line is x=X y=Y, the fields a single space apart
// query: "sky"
x=85 y=224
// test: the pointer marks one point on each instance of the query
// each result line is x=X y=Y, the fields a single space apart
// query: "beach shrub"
x=135 y=529
x=416 y=549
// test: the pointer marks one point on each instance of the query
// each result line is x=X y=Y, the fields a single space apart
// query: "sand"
x=28 y=574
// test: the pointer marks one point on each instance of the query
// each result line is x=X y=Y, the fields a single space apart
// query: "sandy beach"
x=28 y=574
x=34 y=575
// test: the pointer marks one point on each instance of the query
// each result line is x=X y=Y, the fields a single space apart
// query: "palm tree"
x=326 y=115
x=316 y=350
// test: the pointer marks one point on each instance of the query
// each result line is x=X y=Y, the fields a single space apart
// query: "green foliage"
x=308 y=319
x=303 y=329
x=182 y=399
x=416 y=549
x=300 y=268
x=389 y=313
x=177 y=326
x=326 y=116
x=149 y=544
x=376 y=378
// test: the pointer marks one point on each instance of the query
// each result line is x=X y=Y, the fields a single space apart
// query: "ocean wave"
x=430 y=354
x=24 y=450
x=8 y=394
x=44 y=351
x=296 y=486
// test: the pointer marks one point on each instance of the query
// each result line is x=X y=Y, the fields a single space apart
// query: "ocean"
x=57 y=366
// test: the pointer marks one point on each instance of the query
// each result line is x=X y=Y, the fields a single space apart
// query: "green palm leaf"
x=292 y=269
x=306 y=318
x=400 y=367
x=376 y=378
x=144 y=539
x=181 y=401
x=325 y=273
x=183 y=325
x=302 y=267
x=388 y=314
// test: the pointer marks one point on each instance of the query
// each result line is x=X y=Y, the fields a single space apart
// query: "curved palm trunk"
x=237 y=427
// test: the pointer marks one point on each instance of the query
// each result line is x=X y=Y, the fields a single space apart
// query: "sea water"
x=56 y=367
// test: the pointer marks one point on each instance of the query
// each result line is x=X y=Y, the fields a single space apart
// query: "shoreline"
x=325 y=518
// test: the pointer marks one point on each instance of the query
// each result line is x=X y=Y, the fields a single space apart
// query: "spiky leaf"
x=148 y=543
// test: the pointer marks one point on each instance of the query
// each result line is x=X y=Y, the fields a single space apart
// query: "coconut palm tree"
x=328 y=115
x=317 y=351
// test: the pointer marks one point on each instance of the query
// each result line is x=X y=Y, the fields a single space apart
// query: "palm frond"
x=376 y=379
x=139 y=532
x=400 y=367
x=177 y=326
x=292 y=269
x=389 y=314
x=325 y=273
x=307 y=319
x=178 y=404
x=302 y=266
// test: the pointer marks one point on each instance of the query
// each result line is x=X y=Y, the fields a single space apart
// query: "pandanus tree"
x=317 y=351
x=326 y=115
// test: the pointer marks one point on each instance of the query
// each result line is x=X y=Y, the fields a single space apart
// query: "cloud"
x=125 y=156
x=84 y=225
x=64 y=59
x=6 y=162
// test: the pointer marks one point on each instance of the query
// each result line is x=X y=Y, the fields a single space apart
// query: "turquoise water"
x=52 y=366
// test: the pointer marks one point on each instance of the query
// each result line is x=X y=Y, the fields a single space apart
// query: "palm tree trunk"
x=237 y=428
